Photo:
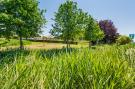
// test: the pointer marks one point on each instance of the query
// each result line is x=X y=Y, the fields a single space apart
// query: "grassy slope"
x=108 y=67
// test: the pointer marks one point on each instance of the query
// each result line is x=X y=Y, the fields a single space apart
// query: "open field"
x=106 y=67
x=13 y=43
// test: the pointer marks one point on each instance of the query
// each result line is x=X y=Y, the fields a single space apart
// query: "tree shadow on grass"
x=10 y=55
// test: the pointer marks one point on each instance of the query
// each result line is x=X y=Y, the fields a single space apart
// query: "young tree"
x=93 y=31
x=109 y=30
x=25 y=17
x=69 y=21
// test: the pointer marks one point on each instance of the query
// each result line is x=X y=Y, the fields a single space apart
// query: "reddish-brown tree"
x=109 y=30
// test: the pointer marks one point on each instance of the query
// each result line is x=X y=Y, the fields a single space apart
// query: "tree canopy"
x=109 y=30
x=69 y=21
x=93 y=31
x=21 y=17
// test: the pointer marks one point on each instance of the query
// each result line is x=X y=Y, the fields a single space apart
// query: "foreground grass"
x=107 y=67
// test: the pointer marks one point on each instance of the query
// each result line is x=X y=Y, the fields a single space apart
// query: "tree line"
x=71 y=23
x=25 y=19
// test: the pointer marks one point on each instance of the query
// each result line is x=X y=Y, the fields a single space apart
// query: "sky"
x=121 y=12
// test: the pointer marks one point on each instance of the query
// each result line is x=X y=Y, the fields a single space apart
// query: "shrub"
x=123 y=40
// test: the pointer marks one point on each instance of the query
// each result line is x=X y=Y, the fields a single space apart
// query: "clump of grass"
x=100 y=68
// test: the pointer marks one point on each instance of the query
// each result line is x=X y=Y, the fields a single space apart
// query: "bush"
x=123 y=40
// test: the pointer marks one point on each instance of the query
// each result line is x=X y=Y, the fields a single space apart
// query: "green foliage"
x=105 y=67
x=93 y=31
x=5 y=29
x=122 y=40
x=69 y=21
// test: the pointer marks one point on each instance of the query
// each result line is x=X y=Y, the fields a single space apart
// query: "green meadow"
x=100 y=67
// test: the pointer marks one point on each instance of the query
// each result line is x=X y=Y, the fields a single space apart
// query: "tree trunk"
x=89 y=44
x=68 y=44
x=97 y=42
x=26 y=38
x=21 y=41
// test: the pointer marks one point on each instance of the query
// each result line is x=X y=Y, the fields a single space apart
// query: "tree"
x=93 y=31
x=109 y=30
x=69 y=22
x=22 y=17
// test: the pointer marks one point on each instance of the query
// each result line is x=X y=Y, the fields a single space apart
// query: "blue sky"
x=121 y=12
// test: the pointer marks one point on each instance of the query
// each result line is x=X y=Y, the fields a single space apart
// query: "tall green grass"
x=107 y=67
